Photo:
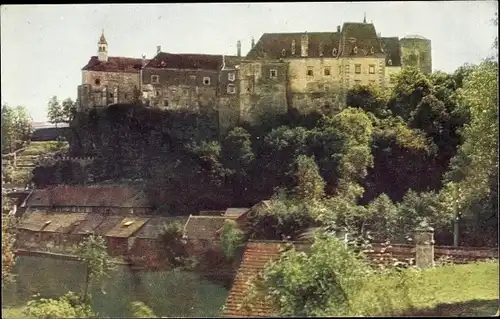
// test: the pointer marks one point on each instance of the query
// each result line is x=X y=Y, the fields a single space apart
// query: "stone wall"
x=263 y=90
x=417 y=52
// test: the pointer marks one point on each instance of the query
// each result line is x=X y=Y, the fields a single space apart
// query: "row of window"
x=155 y=79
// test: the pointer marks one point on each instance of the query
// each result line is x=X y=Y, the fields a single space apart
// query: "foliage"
x=16 y=127
x=319 y=282
x=8 y=241
x=140 y=310
x=231 y=238
x=55 y=112
x=68 y=306
x=175 y=246
x=237 y=148
x=310 y=186
x=68 y=110
x=368 y=98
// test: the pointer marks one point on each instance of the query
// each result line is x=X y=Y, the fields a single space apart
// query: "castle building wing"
x=164 y=60
x=114 y=64
x=392 y=49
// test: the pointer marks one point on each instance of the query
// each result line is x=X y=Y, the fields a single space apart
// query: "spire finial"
x=364 y=19
x=102 y=40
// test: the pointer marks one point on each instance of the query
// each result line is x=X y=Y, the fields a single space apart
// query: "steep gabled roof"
x=76 y=196
x=114 y=64
x=203 y=227
x=271 y=45
x=360 y=35
x=185 y=61
x=50 y=222
x=255 y=257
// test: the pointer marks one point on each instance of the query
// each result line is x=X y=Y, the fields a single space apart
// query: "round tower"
x=416 y=51
x=102 y=48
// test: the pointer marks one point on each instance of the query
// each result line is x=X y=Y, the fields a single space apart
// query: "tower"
x=238 y=48
x=102 y=46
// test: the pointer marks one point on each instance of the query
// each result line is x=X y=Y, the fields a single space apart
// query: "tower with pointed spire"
x=102 y=48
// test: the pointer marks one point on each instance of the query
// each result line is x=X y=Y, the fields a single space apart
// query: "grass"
x=451 y=290
x=13 y=313
x=39 y=148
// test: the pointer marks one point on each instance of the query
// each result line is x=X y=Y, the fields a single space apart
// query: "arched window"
x=283 y=52
x=355 y=50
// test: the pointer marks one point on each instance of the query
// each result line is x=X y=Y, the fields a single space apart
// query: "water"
x=167 y=293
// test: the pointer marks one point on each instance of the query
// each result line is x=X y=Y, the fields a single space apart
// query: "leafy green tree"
x=68 y=109
x=382 y=218
x=237 y=150
x=93 y=252
x=368 y=98
x=8 y=241
x=55 y=112
x=410 y=86
x=310 y=186
x=231 y=238
x=319 y=282
x=16 y=127
x=68 y=306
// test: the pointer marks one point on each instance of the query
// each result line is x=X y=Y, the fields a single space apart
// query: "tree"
x=68 y=306
x=68 y=109
x=16 y=127
x=55 y=111
x=368 y=98
x=93 y=252
x=310 y=186
x=8 y=241
x=321 y=282
x=139 y=309
x=231 y=238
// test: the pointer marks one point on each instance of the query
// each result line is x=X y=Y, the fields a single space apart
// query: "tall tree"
x=16 y=127
x=55 y=111
x=68 y=109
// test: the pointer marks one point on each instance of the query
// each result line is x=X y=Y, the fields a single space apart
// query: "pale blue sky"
x=44 y=47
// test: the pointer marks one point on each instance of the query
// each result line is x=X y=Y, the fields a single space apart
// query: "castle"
x=282 y=71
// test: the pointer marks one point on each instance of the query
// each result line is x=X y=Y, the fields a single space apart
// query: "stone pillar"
x=424 y=250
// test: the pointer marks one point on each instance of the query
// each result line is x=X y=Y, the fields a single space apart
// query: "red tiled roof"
x=255 y=257
x=186 y=61
x=114 y=64
x=74 y=196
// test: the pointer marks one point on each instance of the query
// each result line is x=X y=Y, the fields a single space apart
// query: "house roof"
x=127 y=227
x=255 y=257
x=203 y=227
x=212 y=213
x=75 y=196
x=235 y=213
x=360 y=35
x=114 y=64
x=185 y=61
x=271 y=45
x=89 y=224
x=50 y=222
x=107 y=224
x=154 y=227
x=392 y=49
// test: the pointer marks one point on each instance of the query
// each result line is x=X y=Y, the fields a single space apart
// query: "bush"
x=140 y=310
x=231 y=239
x=68 y=306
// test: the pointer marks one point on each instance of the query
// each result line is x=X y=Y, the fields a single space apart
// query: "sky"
x=44 y=47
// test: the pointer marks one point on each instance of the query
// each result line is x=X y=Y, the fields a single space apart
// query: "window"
x=327 y=87
x=371 y=68
x=97 y=81
x=334 y=52
x=310 y=71
x=231 y=76
x=125 y=96
x=357 y=68
x=372 y=82
x=206 y=80
x=357 y=82
x=165 y=103
x=273 y=74
x=155 y=79
x=111 y=95
x=283 y=52
x=157 y=93
x=355 y=50
x=231 y=89
x=389 y=62
x=371 y=50
x=327 y=71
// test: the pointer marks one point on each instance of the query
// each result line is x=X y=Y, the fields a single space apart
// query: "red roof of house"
x=186 y=61
x=255 y=257
x=114 y=64
x=76 y=196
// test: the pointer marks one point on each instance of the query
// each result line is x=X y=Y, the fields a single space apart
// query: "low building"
x=103 y=200
x=120 y=238
x=201 y=233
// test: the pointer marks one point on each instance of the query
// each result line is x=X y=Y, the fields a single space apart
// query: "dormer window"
x=355 y=50
x=283 y=52
x=371 y=50
x=321 y=49
x=155 y=79
x=293 y=47
x=163 y=63
x=97 y=81
x=334 y=52
x=273 y=74
x=231 y=76
x=206 y=80
x=231 y=89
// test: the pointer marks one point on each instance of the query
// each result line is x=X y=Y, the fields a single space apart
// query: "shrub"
x=68 y=306
x=231 y=238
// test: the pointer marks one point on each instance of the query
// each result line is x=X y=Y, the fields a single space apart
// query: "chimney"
x=238 y=46
x=304 y=45
x=158 y=49
x=293 y=47
x=338 y=28
x=253 y=42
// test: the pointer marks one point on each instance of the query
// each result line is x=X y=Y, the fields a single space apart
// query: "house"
x=148 y=248
x=120 y=237
x=42 y=231
x=201 y=233
x=255 y=256
x=103 y=200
